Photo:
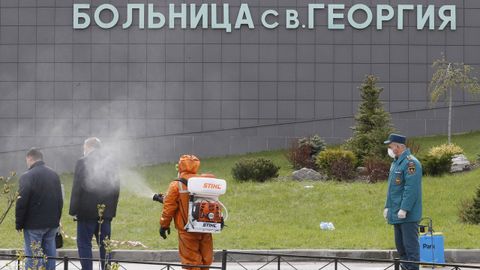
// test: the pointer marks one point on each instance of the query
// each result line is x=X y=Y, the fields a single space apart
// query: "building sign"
x=333 y=16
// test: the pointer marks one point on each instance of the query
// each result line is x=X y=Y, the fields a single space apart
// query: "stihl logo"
x=212 y=186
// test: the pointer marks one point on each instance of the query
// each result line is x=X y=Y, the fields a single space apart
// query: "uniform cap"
x=396 y=138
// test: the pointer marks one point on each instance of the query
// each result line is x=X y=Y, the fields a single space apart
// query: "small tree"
x=447 y=77
x=372 y=123
x=7 y=191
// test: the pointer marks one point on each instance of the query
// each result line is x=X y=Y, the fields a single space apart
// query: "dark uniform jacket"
x=40 y=202
x=95 y=182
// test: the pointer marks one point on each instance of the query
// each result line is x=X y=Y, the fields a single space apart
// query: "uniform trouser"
x=195 y=248
x=406 y=240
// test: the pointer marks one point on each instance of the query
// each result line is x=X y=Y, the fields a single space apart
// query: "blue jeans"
x=86 y=229
x=40 y=242
x=406 y=240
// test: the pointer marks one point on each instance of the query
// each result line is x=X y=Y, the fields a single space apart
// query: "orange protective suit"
x=194 y=248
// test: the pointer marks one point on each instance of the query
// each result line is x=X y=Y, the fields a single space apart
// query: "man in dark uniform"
x=403 y=207
x=38 y=210
x=95 y=183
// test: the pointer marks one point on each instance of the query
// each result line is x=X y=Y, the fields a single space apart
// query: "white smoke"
x=135 y=183
x=115 y=165
x=61 y=142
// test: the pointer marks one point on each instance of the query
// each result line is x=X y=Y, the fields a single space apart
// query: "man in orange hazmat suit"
x=194 y=248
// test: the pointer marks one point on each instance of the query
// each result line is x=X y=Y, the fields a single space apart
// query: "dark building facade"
x=164 y=91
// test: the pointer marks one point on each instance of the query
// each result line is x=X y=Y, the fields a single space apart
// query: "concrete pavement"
x=246 y=266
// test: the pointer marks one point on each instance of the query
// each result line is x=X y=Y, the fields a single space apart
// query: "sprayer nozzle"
x=158 y=197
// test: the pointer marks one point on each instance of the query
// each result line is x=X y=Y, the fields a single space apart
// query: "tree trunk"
x=449 y=106
x=450 y=116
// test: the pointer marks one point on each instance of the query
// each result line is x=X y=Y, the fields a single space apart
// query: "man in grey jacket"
x=38 y=210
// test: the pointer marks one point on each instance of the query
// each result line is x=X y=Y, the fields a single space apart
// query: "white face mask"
x=391 y=153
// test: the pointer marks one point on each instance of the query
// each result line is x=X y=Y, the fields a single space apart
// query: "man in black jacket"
x=38 y=210
x=95 y=184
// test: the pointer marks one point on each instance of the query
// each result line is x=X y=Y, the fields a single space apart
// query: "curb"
x=451 y=255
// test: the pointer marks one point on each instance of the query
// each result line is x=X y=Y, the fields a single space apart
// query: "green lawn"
x=285 y=214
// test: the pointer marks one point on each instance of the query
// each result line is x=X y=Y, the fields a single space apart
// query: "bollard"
x=224 y=259
x=397 y=264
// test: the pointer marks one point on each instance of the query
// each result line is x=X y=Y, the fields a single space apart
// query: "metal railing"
x=72 y=263
x=289 y=261
x=240 y=259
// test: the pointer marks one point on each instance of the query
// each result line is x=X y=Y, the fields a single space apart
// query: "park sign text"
x=333 y=16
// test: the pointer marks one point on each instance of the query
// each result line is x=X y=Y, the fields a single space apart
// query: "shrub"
x=337 y=163
x=436 y=166
x=258 y=170
x=302 y=153
x=470 y=210
x=316 y=143
x=445 y=149
x=414 y=148
x=377 y=169
x=301 y=156
x=343 y=169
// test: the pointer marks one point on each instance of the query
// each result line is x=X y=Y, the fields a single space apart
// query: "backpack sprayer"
x=431 y=243
x=426 y=228
x=205 y=211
